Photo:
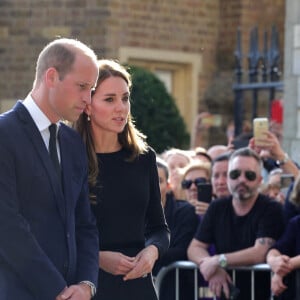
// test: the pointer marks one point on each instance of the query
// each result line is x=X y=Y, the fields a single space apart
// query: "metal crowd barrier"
x=180 y=265
x=177 y=265
x=252 y=269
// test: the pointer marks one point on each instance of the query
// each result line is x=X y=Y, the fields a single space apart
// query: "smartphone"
x=233 y=292
x=286 y=180
x=204 y=192
x=260 y=125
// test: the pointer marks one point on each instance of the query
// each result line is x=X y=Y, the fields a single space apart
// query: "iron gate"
x=263 y=74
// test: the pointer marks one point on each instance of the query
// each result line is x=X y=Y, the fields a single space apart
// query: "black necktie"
x=53 y=150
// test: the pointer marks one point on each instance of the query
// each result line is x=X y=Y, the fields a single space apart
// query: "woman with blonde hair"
x=194 y=174
x=176 y=160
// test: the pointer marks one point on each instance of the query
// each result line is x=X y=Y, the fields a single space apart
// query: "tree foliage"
x=155 y=112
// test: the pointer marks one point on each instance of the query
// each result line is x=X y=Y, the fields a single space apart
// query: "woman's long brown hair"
x=130 y=138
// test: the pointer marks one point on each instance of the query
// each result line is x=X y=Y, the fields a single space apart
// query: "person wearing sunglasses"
x=275 y=188
x=242 y=226
x=194 y=174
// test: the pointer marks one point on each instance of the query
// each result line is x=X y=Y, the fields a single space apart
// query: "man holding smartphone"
x=242 y=227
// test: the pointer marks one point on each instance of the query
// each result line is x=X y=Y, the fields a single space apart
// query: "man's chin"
x=242 y=197
x=245 y=197
x=72 y=118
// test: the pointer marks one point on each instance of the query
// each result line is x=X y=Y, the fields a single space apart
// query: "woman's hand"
x=200 y=206
x=116 y=263
x=280 y=264
x=144 y=263
x=277 y=285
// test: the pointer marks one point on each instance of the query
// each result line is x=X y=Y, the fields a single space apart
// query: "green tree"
x=155 y=112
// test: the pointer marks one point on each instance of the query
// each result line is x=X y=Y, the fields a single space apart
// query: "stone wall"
x=292 y=80
x=245 y=15
x=193 y=26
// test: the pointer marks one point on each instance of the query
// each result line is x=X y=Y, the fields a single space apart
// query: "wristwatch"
x=91 y=285
x=222 y=261
x=283 y=161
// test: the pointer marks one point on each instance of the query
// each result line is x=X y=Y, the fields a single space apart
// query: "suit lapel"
x=36 y=139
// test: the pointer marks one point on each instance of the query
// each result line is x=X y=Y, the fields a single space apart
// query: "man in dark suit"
x=49 y=241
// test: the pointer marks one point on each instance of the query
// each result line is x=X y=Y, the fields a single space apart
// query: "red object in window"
x=277 y=111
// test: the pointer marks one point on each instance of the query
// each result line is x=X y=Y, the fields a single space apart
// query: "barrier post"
x=188 y=265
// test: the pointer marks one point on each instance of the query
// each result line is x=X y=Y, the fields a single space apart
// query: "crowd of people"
x=243 y=220
x=92 y=212
x=243 y=223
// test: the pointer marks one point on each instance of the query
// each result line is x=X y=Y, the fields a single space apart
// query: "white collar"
x=39 y=118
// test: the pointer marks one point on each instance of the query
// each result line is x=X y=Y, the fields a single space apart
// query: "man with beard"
x=242 y=227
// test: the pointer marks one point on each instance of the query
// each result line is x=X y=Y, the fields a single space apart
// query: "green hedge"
x=155 y=112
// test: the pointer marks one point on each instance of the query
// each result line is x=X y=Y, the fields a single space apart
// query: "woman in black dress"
x=124 y=188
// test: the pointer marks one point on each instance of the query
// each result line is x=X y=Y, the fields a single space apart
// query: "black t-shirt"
x=229 y=232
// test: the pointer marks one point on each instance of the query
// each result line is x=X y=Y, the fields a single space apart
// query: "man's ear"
x=87 y=109
x=51 y=77
x=261 y=179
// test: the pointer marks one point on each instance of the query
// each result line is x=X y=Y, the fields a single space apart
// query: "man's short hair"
x=222 y=157
x=246 y=152
x=60 y=54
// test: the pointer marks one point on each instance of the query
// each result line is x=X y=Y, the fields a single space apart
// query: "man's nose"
x=87 y=97
x=242 y=177
x=223 y=179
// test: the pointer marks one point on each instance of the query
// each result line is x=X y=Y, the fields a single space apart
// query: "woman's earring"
x=88 y=118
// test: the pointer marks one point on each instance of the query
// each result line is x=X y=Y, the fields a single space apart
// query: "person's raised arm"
x=273 y=147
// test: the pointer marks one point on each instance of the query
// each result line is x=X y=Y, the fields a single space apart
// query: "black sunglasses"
x=186 y=183
x=250 y=175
